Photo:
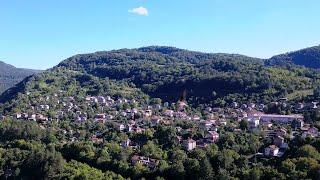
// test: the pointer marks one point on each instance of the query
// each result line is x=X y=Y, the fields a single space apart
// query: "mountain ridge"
x=166 y=72
x=10 y=75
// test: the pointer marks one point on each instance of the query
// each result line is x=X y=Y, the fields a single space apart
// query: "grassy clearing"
x=296 y=94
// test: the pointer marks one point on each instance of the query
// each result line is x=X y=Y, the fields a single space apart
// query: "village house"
x=157 y=107
x=284 y=105
x=208 y=109
x=125 y=100
x=130 y=128
x=298 y=124
x=181 y=115
x=216 y=109
x=179 y=129
x=45 y=107
x=314 y=131
x=96 y=140
x=314 y=105
x=299 y=106
x=134 y=111
x=281 y=132
x=269 y=133
x=151 y=163
x=17 y=116
x=32 y=117
x=271 y=150
x=206 y=125
x=138 y=130
x=212 y=136
x=108 y=98
x=222 y=122
x=210 y=116
x=280 y=119
x=182 y=105
x=94 y=100
x=155 y=120
x=88 y=98
x=234 y=105
x=311 y=132
x=100 y=117
x=244 y=106
x=261 y=107
x=201 y=144
x=132 y=122
x=81 y=117
x=133 y=101
x=41 y=118
x=169 y=113
x=189 y=144
x=251 y=105
x=196 y=118
x=101 y=100
x=102 y=121
x=253 y=123
x=279 y=141
x=283 y=99
x=109 y=117
x=119 y=101
x=179 y=139
x=59 y=114
x=24 y=116
x=147 y=113
x=120 y=127
x=123 y=114
x=125 y=143
x=243 y=114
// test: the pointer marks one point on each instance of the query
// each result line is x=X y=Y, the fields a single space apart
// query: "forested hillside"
x=68 y=82
x=10 y=75
x=308 y=57
x=166 y=72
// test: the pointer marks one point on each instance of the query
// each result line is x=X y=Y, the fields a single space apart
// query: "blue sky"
x=39 y=34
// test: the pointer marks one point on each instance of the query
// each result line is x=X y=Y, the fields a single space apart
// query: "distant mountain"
x=10 y=75
x=308 y=57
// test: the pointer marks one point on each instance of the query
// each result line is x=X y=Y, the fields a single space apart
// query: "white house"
x=125 y=143
x=189 y=144
x=253 y=123
x=212 y=136
x=271 y=150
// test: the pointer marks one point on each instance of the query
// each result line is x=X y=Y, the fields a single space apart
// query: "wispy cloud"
x=140 y=11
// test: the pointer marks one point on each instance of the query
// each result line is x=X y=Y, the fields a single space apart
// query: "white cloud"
x=139 y=10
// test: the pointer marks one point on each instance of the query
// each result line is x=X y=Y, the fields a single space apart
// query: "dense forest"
x=10 y=75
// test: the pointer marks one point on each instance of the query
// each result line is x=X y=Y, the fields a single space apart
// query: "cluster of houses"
x=299 y=107
x=31 y=116
x=136 y=117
